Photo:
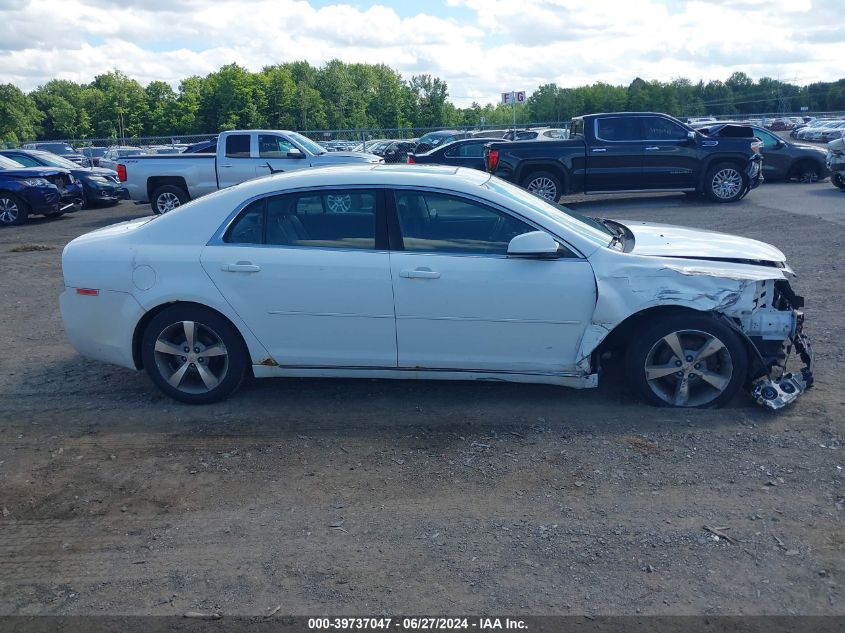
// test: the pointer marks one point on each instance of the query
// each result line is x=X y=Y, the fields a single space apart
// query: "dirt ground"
x=381 y=497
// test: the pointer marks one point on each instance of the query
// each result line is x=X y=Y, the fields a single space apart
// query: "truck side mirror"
x=691 y=136
x=295 y=153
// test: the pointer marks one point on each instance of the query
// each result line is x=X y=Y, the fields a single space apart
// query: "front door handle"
x=419 y=273
x=240 y=267
x=227 y=165
x=599 y=149
x=652 y=148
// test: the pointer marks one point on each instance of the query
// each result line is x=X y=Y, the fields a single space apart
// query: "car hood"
x=32 y=172
x=94 y=171
x=666 y=240
x=807 y=147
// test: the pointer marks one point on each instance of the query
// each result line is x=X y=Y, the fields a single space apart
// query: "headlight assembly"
x=36 y=182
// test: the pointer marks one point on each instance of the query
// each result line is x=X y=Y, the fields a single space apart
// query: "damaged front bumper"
x=780 y=388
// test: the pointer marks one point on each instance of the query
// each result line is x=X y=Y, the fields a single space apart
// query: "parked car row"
x=821 y=130
x=25 y=191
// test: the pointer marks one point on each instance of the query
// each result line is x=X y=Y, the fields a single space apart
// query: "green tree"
x=19 y=115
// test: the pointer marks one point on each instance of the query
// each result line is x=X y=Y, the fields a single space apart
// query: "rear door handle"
x=419 y=273
x=599 y=149
x=227 y=165
x=240 y=267
x=652 y=148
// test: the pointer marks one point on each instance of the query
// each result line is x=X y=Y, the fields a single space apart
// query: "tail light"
x=121 y=172
x=492 y=159
x=411 y=160
x=88 y=292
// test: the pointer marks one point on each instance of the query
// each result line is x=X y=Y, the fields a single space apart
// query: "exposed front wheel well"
x=142 y=324
x=622 y=334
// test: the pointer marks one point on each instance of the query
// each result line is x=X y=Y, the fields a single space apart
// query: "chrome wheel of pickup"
x=167 y=202
x=544 y=185
x=727 y=183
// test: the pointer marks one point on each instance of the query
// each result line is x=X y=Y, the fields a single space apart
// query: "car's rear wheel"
x=724 y=183
x=687 y=360
x=193 y=354
x=168 y=197
x=13 y=210
x=544 y=185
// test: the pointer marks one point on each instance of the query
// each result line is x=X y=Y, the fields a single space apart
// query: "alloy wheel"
x=727 y=183
x=167 y=202
x=8 y=211
x=544 y=188
x=688 y=368
x=191 y=357
x=809 y=176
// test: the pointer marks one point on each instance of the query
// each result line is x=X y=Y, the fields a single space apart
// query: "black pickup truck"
x=630 y=152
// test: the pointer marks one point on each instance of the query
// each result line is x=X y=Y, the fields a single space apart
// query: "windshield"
x=54 y=160
x=8 y=163
x=307 y=143
x=586 y=227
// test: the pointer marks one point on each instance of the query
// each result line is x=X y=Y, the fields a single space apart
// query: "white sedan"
x=411 y=271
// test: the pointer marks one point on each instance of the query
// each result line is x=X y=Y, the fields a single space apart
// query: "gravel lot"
x=367 y=497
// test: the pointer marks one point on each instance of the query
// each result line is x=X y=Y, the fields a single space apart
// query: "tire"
x=543 y=185
x=13 y=210
x=166 y=198
x=708 y=381
x=808 y=172
x=838 y=179
x=724 y=182
x=193 y=377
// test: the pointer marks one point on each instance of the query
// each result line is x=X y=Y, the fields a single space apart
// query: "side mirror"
x=533 y=244
x=780 y=144
x=691 y=135
x=295 y=153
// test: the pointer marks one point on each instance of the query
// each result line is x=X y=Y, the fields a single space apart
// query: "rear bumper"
x=101 y=327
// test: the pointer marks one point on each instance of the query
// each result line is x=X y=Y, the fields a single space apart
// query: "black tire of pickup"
x=166 y=198
x=725 y=182
x=544 y=185
x=838 y=179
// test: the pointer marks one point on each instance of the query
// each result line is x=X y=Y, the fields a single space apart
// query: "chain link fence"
x=380 y=139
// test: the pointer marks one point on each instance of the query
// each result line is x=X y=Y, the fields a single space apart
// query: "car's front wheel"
x=808 y=172
x=687 y=360
x=13 y=210
x=838 y=179
x=193 y=354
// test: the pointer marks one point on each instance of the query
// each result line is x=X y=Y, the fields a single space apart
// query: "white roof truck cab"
x=170 y=180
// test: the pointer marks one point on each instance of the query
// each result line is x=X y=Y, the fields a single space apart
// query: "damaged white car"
x=429 y=272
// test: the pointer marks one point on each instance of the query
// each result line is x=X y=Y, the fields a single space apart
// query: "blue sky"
x=479 y=47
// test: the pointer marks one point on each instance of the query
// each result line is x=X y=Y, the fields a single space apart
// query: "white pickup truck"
x=168 y=180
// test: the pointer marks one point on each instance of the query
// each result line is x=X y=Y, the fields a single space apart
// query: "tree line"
x=338 y=95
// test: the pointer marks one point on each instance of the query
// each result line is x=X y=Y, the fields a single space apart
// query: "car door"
x=309 y=273
x=463 y=304
x=776 y=155
x=276 y=153
x=237 y=164
x=614 y=159
x=670 y=157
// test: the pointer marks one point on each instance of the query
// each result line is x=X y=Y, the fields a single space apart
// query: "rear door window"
x=659 y=129
x=618 y=129
x=237 y=146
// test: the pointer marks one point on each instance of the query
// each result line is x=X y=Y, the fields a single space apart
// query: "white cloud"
x=506 y=44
